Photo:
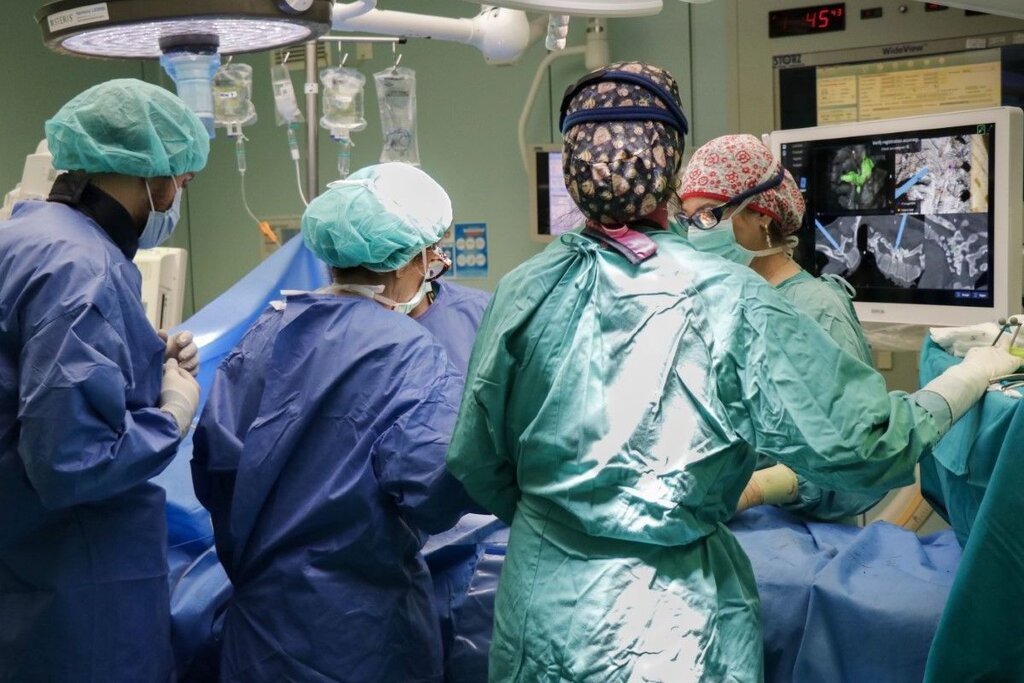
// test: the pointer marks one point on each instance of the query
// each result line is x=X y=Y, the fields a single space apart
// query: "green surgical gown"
x=827 y=301
x=612 y=416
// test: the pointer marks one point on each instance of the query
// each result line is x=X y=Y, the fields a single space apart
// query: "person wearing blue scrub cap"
x=320 y=453
x=93 y=402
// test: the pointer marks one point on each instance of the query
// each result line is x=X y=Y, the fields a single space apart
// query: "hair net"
x=726 y=166
x=379 y=218
x=620 y=171
x=128 y=127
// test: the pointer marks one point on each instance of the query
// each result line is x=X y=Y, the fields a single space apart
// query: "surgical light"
x=136 y=28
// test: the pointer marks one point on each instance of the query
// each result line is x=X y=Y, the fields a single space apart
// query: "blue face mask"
x=160 y=224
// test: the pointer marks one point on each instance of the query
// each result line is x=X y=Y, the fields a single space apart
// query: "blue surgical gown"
x=453 y=318
x=613 y=414
x=828 y=301
x=320 y=455
x=83 y=568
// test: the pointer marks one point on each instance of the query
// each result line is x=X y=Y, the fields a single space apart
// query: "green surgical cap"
x=128 y=127
x=379 y=218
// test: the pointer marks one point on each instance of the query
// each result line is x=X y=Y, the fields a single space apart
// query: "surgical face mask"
x=160 y=224
x=721 y=240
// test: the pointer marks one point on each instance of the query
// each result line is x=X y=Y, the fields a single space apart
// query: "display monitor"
x=554 y=211
x=922 y=215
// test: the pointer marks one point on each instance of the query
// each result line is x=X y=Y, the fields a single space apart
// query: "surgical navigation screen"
x=906 y=218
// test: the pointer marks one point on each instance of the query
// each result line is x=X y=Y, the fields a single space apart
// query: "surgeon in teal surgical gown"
x=760 y=235
x=620 y=390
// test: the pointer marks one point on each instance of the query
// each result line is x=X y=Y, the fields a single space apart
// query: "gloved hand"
x=963 y=385
x=183 y=349
x=771 y=486
x=179 y=395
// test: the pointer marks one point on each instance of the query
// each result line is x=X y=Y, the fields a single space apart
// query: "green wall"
x=468 y=111
x=36 y=82
x=467 y=136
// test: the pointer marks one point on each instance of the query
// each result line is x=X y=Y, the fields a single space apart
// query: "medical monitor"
x=922 y=215
x=163 y=272
x=554 y=211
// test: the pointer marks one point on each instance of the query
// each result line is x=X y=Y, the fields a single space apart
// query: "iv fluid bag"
x=396 y=93
x=285 y=103
x=342 y=101
x=232 y=96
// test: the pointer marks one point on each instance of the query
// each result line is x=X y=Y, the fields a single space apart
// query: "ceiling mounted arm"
x=502 y=35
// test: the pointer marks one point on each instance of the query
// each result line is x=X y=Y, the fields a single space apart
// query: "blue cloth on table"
x=974 y=479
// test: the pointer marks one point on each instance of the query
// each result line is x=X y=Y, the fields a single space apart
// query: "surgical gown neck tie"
x=75 y=190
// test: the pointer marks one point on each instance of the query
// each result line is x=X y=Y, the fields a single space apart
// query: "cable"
x=293 y=149
x=298 y=177
x=245 y=200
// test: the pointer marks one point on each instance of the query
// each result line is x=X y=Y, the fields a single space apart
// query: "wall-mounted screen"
x=922 y=214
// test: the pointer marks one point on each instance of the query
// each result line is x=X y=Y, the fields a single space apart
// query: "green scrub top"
x=613 y=414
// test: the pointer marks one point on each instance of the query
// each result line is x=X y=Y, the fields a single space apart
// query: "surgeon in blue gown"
x=93 y=402
x=452 y=313
x=320 y=453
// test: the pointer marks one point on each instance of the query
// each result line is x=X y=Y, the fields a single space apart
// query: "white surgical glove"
x=179 y=395
x=183 y=349
x=771 y=486
x=963 y=385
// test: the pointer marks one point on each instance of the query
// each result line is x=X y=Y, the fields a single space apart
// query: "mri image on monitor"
x=921 y=215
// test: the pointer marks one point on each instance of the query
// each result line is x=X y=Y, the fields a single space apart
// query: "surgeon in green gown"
x=621 y=387
x=761 y=236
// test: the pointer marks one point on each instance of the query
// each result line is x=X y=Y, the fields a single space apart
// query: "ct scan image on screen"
x=905 y=218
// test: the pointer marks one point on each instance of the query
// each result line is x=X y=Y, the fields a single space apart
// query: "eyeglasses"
x=438 y=263
x=710 y=216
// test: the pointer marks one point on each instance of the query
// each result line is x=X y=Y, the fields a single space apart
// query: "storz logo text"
x=787 y=60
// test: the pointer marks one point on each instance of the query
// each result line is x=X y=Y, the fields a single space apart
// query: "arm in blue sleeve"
x=409 y=459
x=232 y=406
x=80 y=442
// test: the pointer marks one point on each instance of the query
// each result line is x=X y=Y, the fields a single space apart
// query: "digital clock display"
x=804 y=21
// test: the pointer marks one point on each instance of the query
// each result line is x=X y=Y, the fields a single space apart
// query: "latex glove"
x=963 y=385
x=183 y=349
x=179 y=395
x=771 y=486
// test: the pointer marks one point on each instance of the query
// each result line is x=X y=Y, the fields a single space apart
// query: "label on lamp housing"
x=72 y=18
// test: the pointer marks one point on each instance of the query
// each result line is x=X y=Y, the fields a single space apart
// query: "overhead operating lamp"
x=136 y=28
x=188 y=37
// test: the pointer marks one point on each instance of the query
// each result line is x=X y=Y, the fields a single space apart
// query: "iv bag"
x=396 y=93
x=342 y=101
x=286 y=104
x=232 y=97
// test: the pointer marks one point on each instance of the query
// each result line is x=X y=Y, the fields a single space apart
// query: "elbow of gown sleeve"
x=77 y=458
x=831 y=506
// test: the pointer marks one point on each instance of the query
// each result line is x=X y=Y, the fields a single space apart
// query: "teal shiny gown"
x=613 y=414
x=828 y=301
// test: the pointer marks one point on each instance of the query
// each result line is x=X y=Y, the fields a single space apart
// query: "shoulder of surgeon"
x=323 y=323
x=60 y=259
x=461 y=294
